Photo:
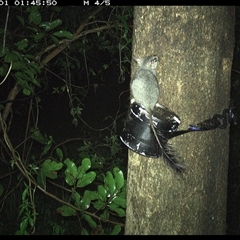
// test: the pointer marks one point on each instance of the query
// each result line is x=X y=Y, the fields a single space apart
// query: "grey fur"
x=144 y=86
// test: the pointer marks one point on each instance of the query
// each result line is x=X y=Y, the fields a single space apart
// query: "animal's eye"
x=155 y=59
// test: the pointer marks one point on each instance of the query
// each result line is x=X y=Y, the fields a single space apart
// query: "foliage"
x=106 y=202
x=90 y=187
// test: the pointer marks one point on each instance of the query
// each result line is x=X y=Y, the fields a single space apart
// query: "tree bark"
x=195 y=47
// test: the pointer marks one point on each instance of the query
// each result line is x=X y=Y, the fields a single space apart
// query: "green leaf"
x=31 y=221
x=84 y=231
x=66 y=211
x=122 y=194
x=37 y=136
x=49 y=168
x=33 y=67
x=87 y=179
x=85 y=165
x=47 y=146
x=51 y=165
x=29 y=56
x=120 y=212
x=105 y=215
x=35 y=17
x=70 y=172
x=94 y=195
x=59 y=154
x=120 y=202
x=99 y=205
x=26 y=91
x=19 y=65
x=102 y=193
x=22 y=76
x=39 y=36
x=25 y=86
x=77 y=198
x=23 y=224
x=33 y=29
x=20 y=19
x=86 y=200
x=48 y=26
x=41 y=179
x=11 y=57
x=110 y=182
x=28 y=74
x=55 y=40
x=119 y=178
x=63 y=34
x=97 y=165
x=35 y=82
x=116 y=230
x=22 y=80
x=21 y=45
x=24 y=194
x=90 y=221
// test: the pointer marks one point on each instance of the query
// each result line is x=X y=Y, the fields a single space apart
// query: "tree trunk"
x=195 y=48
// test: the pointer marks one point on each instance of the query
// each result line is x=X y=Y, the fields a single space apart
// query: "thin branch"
x=6 y=74
x=5 y=30
x=75 y=37
x=11 y=96
x=16 y=89
x=18 y=162
x=66 y=42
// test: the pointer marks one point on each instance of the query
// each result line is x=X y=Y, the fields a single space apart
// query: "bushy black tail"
x=169 y=157
x=168 y=153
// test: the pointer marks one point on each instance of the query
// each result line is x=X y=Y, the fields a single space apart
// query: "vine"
x=90 y=188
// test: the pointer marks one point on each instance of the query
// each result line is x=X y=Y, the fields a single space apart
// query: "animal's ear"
x=138 y=60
